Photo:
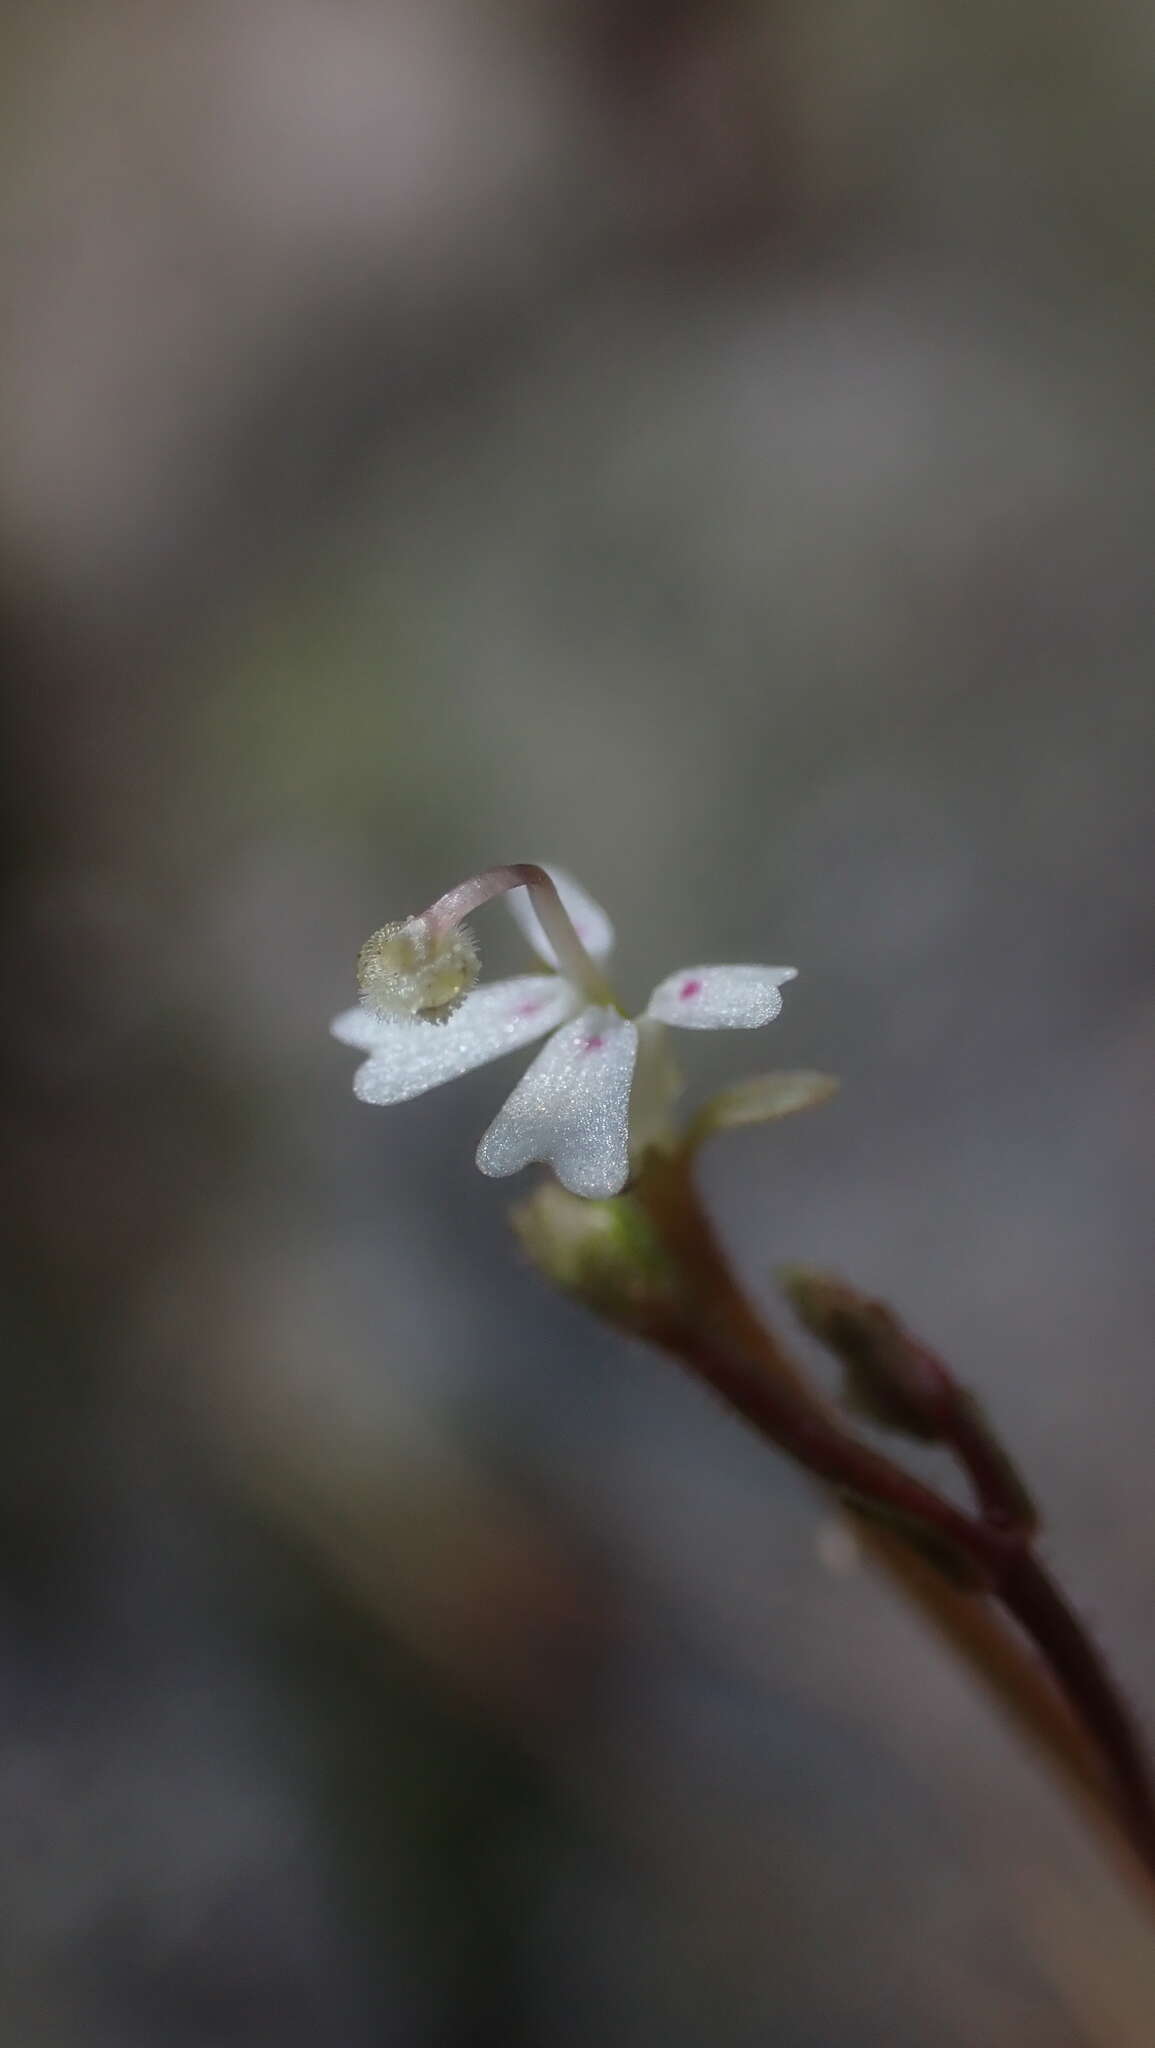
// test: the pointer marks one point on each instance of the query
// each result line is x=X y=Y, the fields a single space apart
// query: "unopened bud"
x=607 y=1254
x=889 y=1377
x=897 y=1382
x=417 y=969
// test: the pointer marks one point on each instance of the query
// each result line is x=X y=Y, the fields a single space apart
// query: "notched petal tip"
x=720 y=998
x=571 y=1110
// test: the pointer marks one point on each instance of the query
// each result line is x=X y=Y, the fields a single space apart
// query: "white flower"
x=601 y=1084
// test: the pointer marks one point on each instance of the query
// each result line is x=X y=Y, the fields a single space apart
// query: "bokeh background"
x=712 y=446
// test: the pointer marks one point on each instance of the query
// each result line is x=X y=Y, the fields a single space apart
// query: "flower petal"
x=359 y=1028
x=719 y=998
x=588 y=918
x=571 y=1110
x=407 y=1057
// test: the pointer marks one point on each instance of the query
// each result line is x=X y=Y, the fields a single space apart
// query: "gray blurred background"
x=711 y=446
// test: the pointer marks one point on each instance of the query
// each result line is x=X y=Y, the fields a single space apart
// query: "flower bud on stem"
x=654 y=1267
x=895 y=1381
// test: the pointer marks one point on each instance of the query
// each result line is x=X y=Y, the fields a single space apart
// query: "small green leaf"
x=761 y=1100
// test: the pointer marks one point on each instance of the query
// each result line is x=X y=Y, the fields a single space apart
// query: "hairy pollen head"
x=417 y=969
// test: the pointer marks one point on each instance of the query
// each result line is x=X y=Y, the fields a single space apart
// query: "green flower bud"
x=606 y=1254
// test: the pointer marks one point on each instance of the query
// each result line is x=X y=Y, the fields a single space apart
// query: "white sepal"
x=588 y=918
x=657 y=1086
x=571 y=1110
x=719 y=998
x=408 y=1057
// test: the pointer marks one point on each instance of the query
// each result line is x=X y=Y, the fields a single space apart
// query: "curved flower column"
x=601 y=1085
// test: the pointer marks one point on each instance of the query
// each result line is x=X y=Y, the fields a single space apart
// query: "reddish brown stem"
x=808 y=1432
x=1002 y=1560
x=711 y=1327
x=999 y=1491
x=1031 y=1596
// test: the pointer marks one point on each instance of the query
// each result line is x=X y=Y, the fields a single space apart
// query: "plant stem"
x=710 y=1325
x=1042 y=1611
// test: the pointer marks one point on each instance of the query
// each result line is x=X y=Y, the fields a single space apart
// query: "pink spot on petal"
x=529 y=1009
x=593 y=1044
x=688 y=989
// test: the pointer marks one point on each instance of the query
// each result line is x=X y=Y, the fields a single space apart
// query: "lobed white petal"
x=407 y=1057
x=588 y=918
x=571 y=1109
x=720 y=998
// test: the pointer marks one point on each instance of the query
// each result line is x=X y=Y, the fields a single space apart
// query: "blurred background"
x=709 y=444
